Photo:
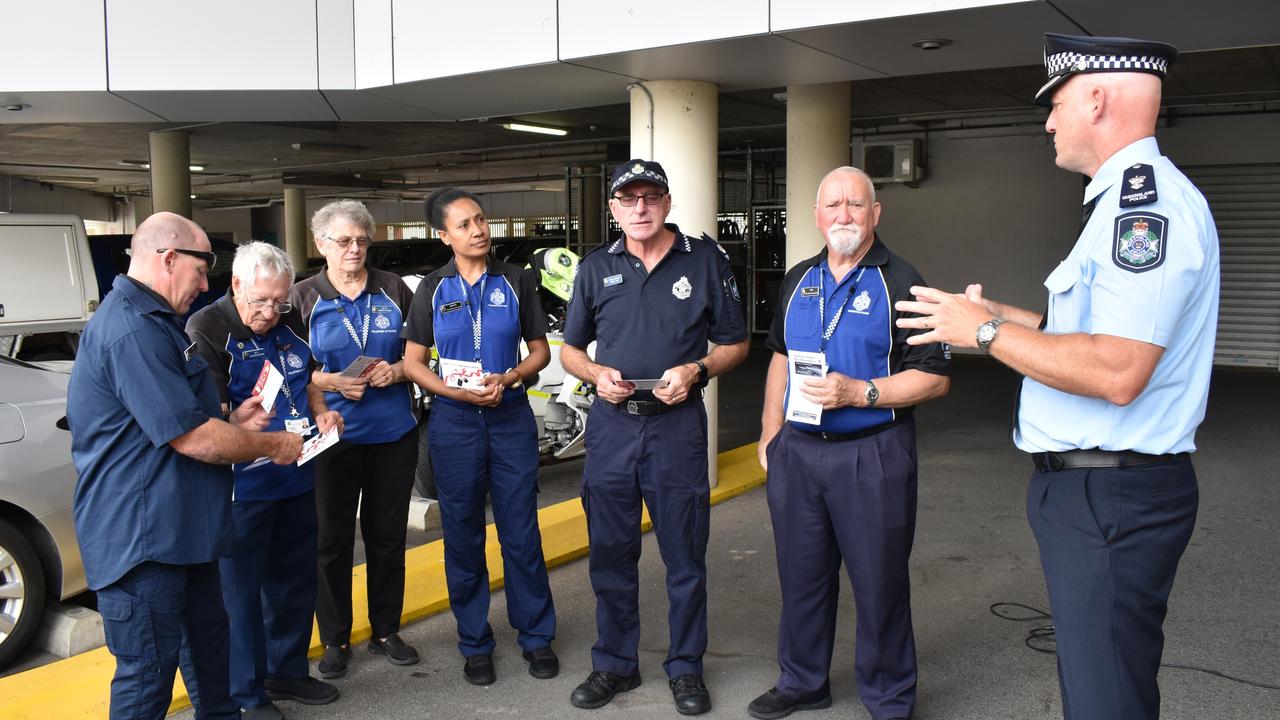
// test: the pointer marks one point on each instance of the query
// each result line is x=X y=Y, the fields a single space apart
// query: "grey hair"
x=850 y=170
x=258 y=256
x=350 y=210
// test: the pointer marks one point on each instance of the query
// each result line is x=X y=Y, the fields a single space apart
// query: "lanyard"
x=360 y=340
x=477 y=317
x=284 y=386
x=822 y=304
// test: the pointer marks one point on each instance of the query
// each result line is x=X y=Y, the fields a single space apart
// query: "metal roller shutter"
x=1245 y=200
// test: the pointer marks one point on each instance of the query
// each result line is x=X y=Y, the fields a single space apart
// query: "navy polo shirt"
x=866 y=343
x=645 y=323
x=382 y=414
x=235 y=356
x=138 y=384
x=505 y=301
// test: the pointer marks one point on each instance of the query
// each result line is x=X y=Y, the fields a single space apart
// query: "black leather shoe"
x=479 y=670
x=334 y=663
x=543 y=663
x=774 y=704
x=308 y=691
x=396 y=650
x=690 y=694
x=600 y=687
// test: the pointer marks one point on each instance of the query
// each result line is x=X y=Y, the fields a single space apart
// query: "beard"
x=844 y=239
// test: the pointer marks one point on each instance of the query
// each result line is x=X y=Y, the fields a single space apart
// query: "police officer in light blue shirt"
x=1117 y=374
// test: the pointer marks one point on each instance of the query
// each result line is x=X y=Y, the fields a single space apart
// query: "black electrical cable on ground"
x=1041 y=639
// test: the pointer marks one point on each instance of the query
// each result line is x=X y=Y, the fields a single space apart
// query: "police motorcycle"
x=560 y=401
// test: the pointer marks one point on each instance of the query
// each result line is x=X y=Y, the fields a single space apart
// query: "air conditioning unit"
x=892 y=161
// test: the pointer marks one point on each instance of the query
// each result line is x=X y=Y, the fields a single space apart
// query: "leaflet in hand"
x=318 y=444
x=804 y=366
x=268 y=385
x=361 y=366
x=462 y=374
x=644 y=384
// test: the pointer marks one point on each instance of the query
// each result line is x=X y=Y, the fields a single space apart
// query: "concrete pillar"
x=817 y=142
x=170 y=172
x=675 y=122
x=590 y=226
x=295 y=227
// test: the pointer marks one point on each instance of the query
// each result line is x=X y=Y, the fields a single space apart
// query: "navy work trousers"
x=148 y=614
x=661 y=459
x=853 y=500
x=1110 y=541
x=377 y=477
x=476 y=452
x=269 y=587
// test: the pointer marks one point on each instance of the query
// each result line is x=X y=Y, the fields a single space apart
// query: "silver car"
x=39 y=557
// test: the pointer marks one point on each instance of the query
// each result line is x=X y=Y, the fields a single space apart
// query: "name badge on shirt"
x=190 y=352
x=808 y=292
x=613 y=280
x=451 y=307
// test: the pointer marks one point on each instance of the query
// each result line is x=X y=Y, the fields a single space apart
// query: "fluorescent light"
x=196 y=168
x=147 y=166
x=67 y=179
x=540 y=129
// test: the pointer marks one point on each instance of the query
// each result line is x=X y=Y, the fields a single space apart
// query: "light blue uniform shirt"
x=1146 y=272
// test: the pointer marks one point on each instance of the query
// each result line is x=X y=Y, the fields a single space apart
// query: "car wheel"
x=21 y=592
x=424 y=479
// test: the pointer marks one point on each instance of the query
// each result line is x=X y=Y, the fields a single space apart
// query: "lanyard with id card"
x=802 y=366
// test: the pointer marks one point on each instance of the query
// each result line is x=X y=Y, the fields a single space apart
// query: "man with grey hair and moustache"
x=153 y=502
x=269 y=578
x=838 y=442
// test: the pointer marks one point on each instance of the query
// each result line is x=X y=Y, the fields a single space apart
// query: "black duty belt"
x=645 y=408
x=855 y=435
x=1070 y=459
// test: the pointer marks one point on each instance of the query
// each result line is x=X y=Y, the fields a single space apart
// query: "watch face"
x=986 y=332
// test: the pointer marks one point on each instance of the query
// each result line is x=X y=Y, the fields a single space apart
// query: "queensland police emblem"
x=497 y=298
x=861 y=302
x=382 y=321
x=681 y=288
x=294 y=361
x=1138 y=245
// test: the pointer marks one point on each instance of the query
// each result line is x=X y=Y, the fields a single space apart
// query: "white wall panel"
x=54 y=45
x=336 y=44
x=435 y=40
x=796 y=14
x=591 y=27
x=373 y=41
x=225 y=45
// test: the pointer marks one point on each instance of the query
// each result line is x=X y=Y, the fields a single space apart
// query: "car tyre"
x=22 y=592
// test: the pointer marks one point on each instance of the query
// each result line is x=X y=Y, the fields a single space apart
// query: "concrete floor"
x=973 y=549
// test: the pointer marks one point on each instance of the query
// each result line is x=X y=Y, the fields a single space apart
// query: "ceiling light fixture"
x=67 y=179
x=539 y=129
x=934 y=44
x=147 y=166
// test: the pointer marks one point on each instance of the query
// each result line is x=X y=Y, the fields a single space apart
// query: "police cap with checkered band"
x=1067 y=55
x=637 y=170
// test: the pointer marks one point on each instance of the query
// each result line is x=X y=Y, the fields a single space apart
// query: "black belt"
x=1069 y=459
x=855 y=435
x=646 y=408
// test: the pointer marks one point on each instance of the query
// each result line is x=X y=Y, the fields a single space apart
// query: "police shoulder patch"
x=1138 y=244
x=1138 y=186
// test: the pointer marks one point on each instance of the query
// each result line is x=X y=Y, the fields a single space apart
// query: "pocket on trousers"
x=127 y=626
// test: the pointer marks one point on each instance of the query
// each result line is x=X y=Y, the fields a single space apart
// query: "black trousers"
x=378 y=478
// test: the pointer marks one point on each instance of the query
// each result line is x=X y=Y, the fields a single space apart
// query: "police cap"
x=636 y=170
x=1067 y=55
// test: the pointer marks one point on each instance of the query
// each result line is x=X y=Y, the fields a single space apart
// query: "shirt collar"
x=147 y=300
x=682 y=242
x=450 y=269
x=877 y=255
x=329 y=292
x=1111 y=171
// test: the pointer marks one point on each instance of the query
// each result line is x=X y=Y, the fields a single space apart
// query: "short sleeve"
x=727 y=323
x=153 y=386
x=933 y=358
x=419 y=325
x=579 y=319
x=533 y=319
x=777 y=339
x=213 y=354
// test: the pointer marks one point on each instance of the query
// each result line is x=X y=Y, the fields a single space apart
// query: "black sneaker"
x=774 y=704
x=600 y=687
x=690 y=694
x=479 y=669
x=543 y=663
x=396 y=650
x=308 y=690
x=334 y=662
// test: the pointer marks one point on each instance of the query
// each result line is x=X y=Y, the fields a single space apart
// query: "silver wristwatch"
x=871 y=394
x=987 y=333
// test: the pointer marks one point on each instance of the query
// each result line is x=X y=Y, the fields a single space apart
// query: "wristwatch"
x=519 y=380
x=871 y=394
x=702 y=372
x=987 y=333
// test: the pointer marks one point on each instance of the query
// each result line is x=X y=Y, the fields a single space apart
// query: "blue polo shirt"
x=866 y=344
x=336 y=330
x=504 y=301
x=645 y=323
x=138 y=383
x=235 y=355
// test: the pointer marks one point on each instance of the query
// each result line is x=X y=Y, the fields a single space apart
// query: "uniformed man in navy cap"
x=651 y=300
x=1117 y=374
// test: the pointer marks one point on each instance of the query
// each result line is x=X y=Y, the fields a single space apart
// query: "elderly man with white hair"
x=269 y=578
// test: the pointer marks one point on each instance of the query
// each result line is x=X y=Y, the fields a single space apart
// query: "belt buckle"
x=633 y=407
x=1054 y=461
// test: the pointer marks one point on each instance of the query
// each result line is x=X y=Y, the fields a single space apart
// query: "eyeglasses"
x=280 y=308
x=345 y=242
x=208 y=257
x=650 y=199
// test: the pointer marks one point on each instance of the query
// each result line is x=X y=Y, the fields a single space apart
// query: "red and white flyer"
x=318 y=444
x=268 y=385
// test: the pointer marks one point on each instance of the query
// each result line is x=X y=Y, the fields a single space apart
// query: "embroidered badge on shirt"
x=861 y=303
x=294 y=361
x=681 y=288
x=1138 y=245
x=732 y=286
x=497 y=298
x=613 y=280
x=382 y=322
x=1139 y=186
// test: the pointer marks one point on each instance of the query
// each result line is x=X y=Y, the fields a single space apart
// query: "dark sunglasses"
x=208 y=257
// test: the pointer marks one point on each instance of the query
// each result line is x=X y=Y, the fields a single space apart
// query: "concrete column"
x=675 y=122
x=295 y=227
x=592 y=204
x=170 y=172
x=817 y=142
